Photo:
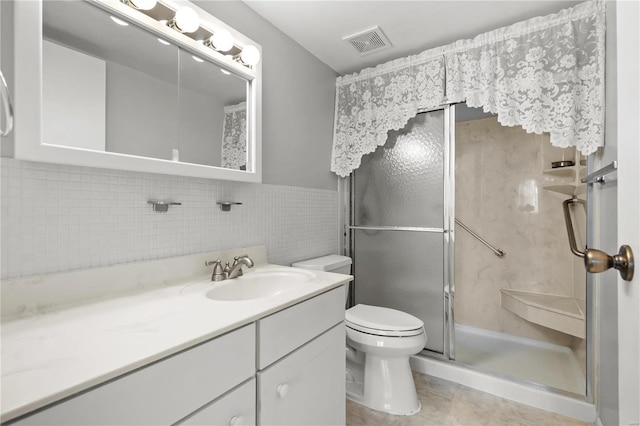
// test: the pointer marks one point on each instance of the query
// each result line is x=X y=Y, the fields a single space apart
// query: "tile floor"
x=447 y=403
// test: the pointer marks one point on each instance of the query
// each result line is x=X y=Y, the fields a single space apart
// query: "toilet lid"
x=382 y=321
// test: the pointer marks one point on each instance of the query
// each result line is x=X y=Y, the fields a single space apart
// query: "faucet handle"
x=218 y=273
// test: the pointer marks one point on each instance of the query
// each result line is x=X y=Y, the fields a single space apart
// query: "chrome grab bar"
x=6 y=104
x=598 y=175
x=596 y=261
x=496 y=251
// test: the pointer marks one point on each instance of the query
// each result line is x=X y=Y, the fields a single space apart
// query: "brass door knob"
x=596 y=261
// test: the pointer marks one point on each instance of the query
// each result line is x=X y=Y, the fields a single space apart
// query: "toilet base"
x=383 y=385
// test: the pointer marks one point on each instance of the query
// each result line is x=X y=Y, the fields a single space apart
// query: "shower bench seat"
x=558 y=312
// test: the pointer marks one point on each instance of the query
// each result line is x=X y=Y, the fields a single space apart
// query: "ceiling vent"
x=368 y=41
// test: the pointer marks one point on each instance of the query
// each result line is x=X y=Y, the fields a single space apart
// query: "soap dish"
x=563 y=163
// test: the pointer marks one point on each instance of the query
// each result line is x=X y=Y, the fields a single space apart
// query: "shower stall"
x=459 y=222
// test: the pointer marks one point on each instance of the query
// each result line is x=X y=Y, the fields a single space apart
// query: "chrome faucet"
x=236 y=269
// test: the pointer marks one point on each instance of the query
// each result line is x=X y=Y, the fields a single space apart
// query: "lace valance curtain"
x=545 y=74
x=234 y=136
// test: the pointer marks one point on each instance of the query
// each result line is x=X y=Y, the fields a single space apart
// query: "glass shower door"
x=398 y=226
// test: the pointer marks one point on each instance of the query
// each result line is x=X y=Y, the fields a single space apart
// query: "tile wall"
x=57 y=218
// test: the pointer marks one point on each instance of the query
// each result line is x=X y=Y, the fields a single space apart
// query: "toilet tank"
x=332 y=263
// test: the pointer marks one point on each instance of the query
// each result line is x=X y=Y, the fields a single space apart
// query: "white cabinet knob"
x=235 y=421
x=282 y=390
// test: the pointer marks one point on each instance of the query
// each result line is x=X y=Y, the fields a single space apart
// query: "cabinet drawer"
x=237 y=408
x=289 y=329
x=306 y=387
x=163 y=392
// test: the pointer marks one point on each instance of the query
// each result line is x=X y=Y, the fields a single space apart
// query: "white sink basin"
x=259 y=284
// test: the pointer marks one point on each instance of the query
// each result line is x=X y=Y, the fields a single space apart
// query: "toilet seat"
x=381 y=321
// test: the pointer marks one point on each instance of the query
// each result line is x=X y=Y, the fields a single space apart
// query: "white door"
x=616 y=221
x=628 y=136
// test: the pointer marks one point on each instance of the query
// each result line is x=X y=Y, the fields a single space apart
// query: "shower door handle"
x=596 y=261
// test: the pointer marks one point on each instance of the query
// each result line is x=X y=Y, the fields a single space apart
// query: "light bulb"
x=143 y=4
x=221 y=40
x=186 y=20
x=250 y=55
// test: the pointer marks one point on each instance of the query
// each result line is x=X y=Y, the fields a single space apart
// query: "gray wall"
x=149 y=117
x=201 y=123
x=142 y=113
x=298 y=102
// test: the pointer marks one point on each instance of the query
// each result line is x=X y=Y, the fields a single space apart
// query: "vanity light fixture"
x=250 y=55
x=141 y=4
x=119 y=21
x=221 y=40
x=186 y=20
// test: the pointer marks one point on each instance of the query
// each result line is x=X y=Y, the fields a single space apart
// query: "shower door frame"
x=346 y=188
x=448 y=289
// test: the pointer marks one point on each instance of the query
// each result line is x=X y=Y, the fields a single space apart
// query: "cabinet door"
x=291 y=328
x=237 y=408
x=307 y=387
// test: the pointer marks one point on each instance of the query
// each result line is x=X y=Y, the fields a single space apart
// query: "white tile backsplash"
x=57 y=218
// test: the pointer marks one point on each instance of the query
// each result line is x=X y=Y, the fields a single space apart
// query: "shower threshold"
x=509 y=387
x=550 y=365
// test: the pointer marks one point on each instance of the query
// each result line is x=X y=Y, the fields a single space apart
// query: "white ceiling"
x=411 y=26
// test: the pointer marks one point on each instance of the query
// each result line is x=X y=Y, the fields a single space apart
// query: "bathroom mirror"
x=122 y=89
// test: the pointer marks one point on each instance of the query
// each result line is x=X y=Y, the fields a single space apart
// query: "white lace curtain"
x=234 y=137
x=545 y=74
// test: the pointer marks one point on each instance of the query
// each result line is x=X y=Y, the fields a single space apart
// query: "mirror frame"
x=28 y=97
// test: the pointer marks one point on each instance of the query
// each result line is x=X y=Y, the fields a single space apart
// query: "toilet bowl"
x=380 y=342
x=382 y=379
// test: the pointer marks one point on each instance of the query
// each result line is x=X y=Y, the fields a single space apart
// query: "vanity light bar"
x=186 y=21
x=141 y=4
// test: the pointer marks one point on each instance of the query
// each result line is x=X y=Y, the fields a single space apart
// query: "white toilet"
x=379 y=344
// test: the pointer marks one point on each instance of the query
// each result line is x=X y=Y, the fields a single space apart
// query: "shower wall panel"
x=499 y=195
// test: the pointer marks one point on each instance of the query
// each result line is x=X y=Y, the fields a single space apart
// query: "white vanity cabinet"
x=283 y=369
x=164 y=392
x=302 y=363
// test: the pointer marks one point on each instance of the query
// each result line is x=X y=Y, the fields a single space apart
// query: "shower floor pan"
x=562 y=313
x=525 y=359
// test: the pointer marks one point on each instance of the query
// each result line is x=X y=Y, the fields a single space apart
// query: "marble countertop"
x=52 y=355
